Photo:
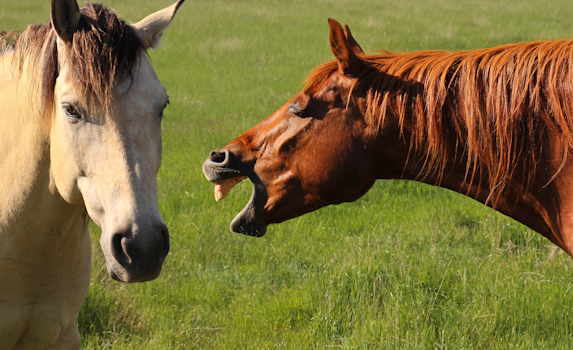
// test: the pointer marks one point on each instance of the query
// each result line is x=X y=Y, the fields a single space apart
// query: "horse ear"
x=151 y=28
x=65 y=18
x=348 y=62
x=353 y=44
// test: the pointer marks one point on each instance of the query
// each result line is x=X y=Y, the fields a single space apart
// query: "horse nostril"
x=146 y=246
x=119 y=250
x=217 y=157
x=165 y=235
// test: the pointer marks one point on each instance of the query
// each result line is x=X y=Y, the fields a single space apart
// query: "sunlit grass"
x=406 y=267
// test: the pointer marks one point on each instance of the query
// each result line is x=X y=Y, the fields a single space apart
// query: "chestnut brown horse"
x=80 y=119
x=493 y=124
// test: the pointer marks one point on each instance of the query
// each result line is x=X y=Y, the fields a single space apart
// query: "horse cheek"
x=347 y=170
x=63 y=167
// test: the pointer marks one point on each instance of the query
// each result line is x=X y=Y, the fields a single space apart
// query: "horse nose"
x=140 y=253
x=216 y=164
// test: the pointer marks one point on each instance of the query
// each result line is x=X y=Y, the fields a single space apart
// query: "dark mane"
x=103 y=49
x=496 y=105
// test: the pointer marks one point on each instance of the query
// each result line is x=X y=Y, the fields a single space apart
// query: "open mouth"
x=224 y=170
x=223 y=187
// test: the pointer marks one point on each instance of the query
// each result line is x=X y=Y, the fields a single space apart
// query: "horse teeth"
x=218 y=193
x=222 y=188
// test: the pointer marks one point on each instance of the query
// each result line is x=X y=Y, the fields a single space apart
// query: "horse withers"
x=80 y=112
x=493 y=124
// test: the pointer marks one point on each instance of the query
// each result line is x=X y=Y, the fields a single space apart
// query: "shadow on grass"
x=109 y=312
x=104 y=317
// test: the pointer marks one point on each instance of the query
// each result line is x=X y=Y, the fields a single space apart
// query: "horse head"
x=105 y=133
x=314 y=151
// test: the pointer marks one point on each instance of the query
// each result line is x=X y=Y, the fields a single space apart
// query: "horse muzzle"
x=225 y=170
x=137 y=254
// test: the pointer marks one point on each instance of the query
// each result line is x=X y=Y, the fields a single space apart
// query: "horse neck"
x=25 y=191
x=537 y=206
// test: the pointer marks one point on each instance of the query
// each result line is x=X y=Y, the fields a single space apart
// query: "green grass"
x=406 y=267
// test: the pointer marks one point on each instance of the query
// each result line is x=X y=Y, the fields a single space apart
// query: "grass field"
x=408 y=266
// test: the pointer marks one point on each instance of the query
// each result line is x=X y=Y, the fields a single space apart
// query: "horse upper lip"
x=227 y=169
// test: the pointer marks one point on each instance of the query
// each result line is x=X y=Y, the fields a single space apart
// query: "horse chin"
x=114 y=276
x=120 y=274
x=116 y=272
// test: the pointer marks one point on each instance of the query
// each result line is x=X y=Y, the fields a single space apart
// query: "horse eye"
x=161 y=113
x=295 y=110
x=71 y=111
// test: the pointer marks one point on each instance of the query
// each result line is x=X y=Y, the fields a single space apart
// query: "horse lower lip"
x=114 y=276
x=248 y=221
x=134 y=273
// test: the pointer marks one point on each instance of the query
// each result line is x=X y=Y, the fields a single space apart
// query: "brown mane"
x=494 y=104
x=104 y=49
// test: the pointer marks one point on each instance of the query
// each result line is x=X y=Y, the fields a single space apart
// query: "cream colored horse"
x=80 y=120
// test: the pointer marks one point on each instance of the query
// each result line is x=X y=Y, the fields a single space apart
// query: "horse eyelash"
x=71 y=111
x=296 y=111
x=163 y=109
